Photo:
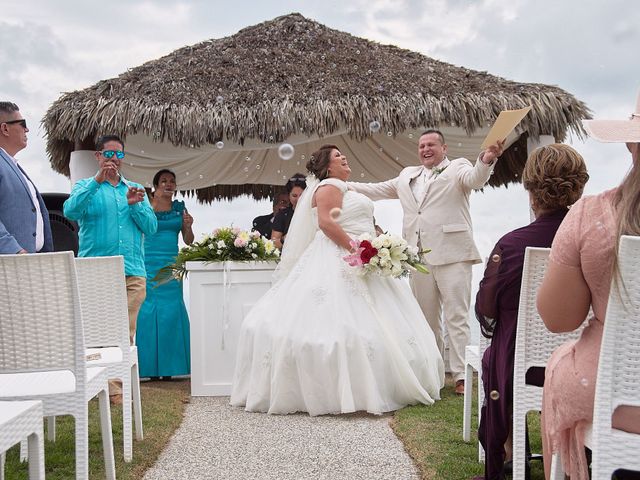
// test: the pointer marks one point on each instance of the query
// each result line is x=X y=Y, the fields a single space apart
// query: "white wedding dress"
x=324 y=340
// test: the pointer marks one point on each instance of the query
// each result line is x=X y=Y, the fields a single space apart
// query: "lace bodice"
x=357 y=210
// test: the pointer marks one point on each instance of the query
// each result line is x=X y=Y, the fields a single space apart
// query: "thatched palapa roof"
x=292 y=76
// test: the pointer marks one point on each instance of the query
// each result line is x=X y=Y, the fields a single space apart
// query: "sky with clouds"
x=587 y=48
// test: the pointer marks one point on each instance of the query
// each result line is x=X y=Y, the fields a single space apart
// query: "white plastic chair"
x=43 y=351
x=473 y=361
x=19 y=420
x=618 y=373
x=103 y=299
x=534 y=346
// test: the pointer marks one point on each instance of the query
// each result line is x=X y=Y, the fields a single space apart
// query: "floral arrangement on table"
x=222 y=245
x=386 y=255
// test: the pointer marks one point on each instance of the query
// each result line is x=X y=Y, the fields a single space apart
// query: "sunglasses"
x=22 y=122
x=110 y=153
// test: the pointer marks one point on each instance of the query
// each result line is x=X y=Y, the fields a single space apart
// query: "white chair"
x=43 y=351
x=618 y=373
x=534 y=346
x=19 y=420
x=103 y=299
x=473 y=361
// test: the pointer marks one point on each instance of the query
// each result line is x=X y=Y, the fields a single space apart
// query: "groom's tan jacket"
x=441 y=220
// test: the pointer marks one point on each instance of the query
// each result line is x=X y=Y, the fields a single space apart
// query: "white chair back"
x=618 y=381
x=534 y=346
x=534 y=343
x=41 y=327
x=103 y=296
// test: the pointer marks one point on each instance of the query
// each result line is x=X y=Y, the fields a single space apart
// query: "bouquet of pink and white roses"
x=385 y=255
x=222 y=245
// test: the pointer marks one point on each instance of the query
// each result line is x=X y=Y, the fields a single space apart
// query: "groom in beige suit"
x=435 y=200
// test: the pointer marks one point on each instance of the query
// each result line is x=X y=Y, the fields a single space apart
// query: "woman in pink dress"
x=581 y=266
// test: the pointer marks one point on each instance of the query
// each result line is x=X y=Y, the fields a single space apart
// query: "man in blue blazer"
x=24 y=219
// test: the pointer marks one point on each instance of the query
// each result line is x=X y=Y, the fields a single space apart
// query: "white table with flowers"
x=228 y=272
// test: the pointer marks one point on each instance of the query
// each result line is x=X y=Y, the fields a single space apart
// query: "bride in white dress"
x=324 y=340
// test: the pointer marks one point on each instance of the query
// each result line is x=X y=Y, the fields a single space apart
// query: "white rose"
x=221 y=244
x=269 y=247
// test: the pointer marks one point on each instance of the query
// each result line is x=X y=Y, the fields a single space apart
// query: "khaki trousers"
x=447 y=289
x=136 y=293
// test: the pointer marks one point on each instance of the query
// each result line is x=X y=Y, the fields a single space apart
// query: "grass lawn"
x=162 y=410
x=433 y=437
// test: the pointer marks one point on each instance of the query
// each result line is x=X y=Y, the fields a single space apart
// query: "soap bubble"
x=219 y=99
x=286 y=151
x=248 y=159
x=335 y=213
x=258 y=167
x=389 y=134
x=494 y=395
x=374 y=127
x=362 y=175
x=246 y=169
x=495 y=258
x=200 y=177
x=220 y=145
x=186 y=173
x=584 y=382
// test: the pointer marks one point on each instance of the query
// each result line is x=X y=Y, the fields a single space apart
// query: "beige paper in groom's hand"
x=504 y=125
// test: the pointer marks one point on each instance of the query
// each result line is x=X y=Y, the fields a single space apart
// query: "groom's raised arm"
x=376 y=191
x=476 y=176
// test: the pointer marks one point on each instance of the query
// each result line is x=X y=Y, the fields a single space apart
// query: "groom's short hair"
x=437 y=132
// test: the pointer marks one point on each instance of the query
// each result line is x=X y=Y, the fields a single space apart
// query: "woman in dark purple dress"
x=554 y=176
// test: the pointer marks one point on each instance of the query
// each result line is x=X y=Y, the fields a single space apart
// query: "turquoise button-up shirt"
x=108 y=224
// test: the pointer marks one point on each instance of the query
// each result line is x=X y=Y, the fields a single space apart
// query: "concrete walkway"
x=217 y=441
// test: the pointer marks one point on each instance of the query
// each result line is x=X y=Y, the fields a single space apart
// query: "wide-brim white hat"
x=616 y=131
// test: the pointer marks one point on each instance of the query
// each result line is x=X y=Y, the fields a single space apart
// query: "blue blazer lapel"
x=18 y=171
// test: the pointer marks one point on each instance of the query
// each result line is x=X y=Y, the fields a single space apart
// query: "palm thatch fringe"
x=292 y=75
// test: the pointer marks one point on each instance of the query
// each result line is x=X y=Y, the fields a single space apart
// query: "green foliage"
x=223 y=245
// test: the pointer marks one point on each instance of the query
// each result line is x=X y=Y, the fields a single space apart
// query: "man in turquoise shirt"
x=113 y=215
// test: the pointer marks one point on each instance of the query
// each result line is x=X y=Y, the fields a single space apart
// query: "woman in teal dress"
x=162 y=334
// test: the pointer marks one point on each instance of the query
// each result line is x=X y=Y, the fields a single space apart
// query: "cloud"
x=589 y=49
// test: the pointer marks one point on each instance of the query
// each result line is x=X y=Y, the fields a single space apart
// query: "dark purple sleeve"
x=486 y=306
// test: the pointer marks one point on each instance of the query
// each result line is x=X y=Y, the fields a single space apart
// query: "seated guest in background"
x=582 y=264
x=554 y=176
x=24 y=219
x=264 y=223
x=113 y=215
x=295 y=186
x=163 y=324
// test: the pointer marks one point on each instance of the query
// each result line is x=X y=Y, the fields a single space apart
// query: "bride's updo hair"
x=555 y=176
x=318 y=164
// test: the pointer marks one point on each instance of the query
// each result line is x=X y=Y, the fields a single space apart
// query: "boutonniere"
x=438 y=170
